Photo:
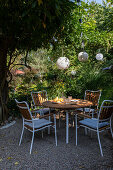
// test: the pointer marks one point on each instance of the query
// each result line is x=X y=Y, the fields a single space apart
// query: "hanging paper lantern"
x=82 y=56
x=63 y=63
x=73 y=72
x=99 y=56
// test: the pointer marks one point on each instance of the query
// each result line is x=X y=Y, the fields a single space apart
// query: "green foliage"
x=25 y=26
x=89 y=75
x=31 y=24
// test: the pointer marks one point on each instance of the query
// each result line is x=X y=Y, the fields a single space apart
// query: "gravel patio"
x=46 y=156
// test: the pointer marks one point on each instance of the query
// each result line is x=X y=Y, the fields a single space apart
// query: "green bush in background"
x=97 y=36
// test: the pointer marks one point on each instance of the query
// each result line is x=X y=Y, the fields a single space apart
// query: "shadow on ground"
x=46 y=156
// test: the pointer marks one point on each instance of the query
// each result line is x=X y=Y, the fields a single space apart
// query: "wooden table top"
x=78 y=103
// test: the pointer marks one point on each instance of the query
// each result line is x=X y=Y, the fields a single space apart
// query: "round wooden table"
x=73 y=105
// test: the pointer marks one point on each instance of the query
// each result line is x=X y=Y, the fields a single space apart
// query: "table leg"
x=67 y=128
x=84 y=118
x=49 y=120
x=76 y=127
x=59 y=118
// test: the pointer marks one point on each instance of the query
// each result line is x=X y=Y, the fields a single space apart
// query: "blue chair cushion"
x=92 y=123
x=38 y=123
x=86 y=110
x=43 y=111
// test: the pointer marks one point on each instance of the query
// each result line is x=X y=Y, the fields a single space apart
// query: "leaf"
x=16 y=163
x=34 y=5
x=40 y=2
x=24 y=14
x=63 y=28
x=2 y=147
x=35 y=152
x=44 y=25
x=81 y=167
x=0 y=159
x=9 y=158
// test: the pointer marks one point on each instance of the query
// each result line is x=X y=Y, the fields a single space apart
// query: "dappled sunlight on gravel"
x=45 y=154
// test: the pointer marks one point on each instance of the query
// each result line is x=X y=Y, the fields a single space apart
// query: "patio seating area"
x=45 y=154
x=56 y=85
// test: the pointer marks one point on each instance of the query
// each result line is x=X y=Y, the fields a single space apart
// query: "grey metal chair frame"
x=98 y=130
x=91 y=111
x=36 y=104
x=42 y=110
x=30 y=122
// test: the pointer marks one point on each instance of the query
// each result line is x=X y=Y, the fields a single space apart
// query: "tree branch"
x=29 y=67
x=25 y=61
x=9 y=75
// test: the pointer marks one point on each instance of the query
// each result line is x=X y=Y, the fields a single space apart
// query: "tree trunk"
x=3 y=102
x=3 y=80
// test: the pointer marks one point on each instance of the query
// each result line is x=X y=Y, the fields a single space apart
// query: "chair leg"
x=111 y=129
x=99 y=143
x=21 y=135
x=111 y=132
x=91 y=134
x=76 y=127
x=92 y=115
x=59 y=119
x=67 y=127
x=32 y=142
x=73 y=121
x=55 y=129
x=86 y=131
x=49 y=120
x=35 y=114
x=42 y=134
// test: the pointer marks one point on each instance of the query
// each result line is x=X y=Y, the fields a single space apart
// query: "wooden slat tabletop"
x=69 y=106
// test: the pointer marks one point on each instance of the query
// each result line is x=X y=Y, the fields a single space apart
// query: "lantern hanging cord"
x=80 y=20
x=62 y=52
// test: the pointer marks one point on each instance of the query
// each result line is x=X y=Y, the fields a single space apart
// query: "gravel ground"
x=46 y=156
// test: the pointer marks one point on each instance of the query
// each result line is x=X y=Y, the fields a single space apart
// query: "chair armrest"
x=41 y=117
x=81 y=114
x=36 y=116
x=35 y=119
x=34 y=110
x=32 y=105
x=97 y=110
x=37 y=105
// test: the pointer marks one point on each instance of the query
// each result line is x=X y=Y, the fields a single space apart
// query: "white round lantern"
x=63 y=63
x=73 y=72
x=82 y=56
x=99 y=56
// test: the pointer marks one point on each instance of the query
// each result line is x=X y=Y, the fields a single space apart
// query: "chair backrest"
x=93 y=96
x=106 y=110
x=24 y=109
x=39 y=97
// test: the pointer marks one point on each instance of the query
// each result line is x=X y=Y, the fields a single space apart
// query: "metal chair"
x=34 y=124
x=100 y=124
x=94 y=97
x=38 y=98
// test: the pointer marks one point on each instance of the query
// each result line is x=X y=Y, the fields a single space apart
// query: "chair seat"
x=38 y=123
x=80 y=109
x=92 y=123
x=87 y=110
x=44 y=110
x=41 y=111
